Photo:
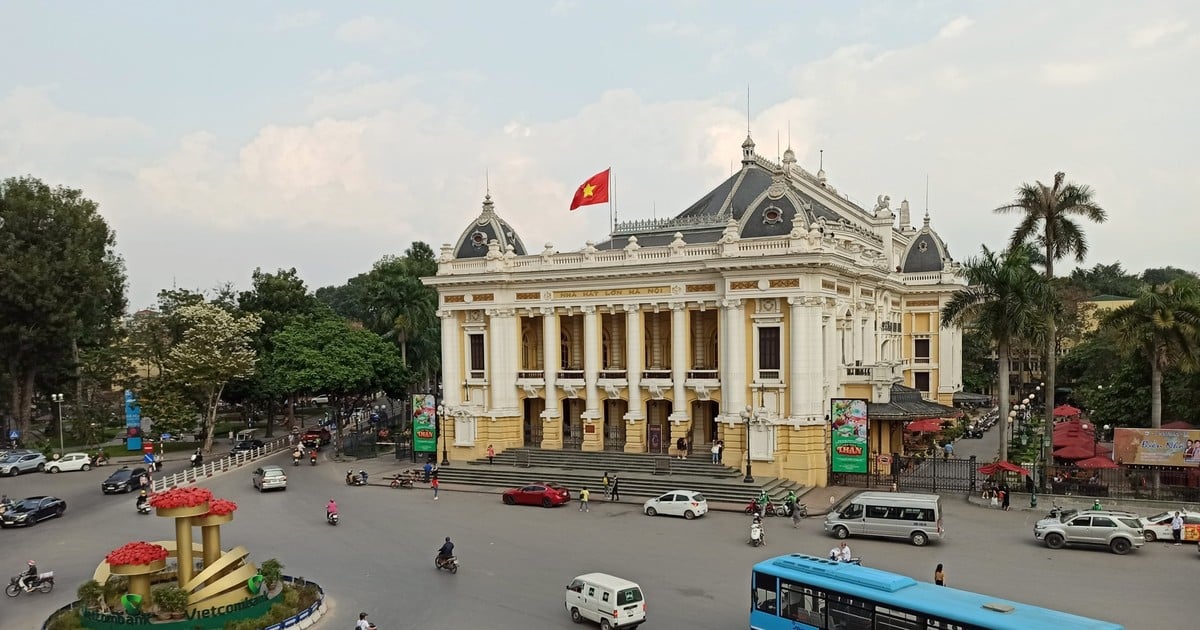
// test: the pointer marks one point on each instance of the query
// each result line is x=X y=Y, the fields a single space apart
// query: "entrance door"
x=614 y=425
x=572 y=424
x=658 y=426
x=533 y=422
x=704 y=425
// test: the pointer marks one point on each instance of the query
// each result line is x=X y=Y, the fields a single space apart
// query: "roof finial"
x=747 y=110
x=821 y=168
x=487 y=183
x=789 y=156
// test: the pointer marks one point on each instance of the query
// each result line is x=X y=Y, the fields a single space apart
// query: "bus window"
x=763 y=593
x=802 y=603
x=937 y=624
x=917 y=514
x=891 y=619
x=848 y=613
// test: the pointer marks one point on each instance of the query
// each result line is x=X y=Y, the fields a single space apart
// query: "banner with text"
x=1156 y=447
x=848 y=449
x=424 y=429
x=133 y=422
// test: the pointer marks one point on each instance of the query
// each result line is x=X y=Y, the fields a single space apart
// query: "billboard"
x=133 y=422
x=848 y=451
x=424 y=429
x=1156 y=447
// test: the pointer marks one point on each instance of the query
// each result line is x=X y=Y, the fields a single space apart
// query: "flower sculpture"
x=221 y=507
x=183 y=505
x=138 y=561
x=176 y=498
x=220 y=511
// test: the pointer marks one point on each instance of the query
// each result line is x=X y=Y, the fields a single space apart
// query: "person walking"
x=939 y=575
x=1177 y=528
x=720 y=450
x=491 y=454
x=584 y=495
x=427 y=468
x=433 y=483
x=1004 y=496
x=616 y=488
x=604 y=480
x=716 y=452
x=796 y=516
x=681 y=446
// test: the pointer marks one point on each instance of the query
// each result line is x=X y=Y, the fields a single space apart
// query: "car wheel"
x=841 y=532
x=509 y=500
x=1150 y=537
x=605 y=624
x=85 y=467
x=13 y=472
x=575 y=616
x=58 y=512
x=651 y=512
x=54 y=470
x=547 y=503
x=919 y=539
x=41 y=467
x=1054 y=541
x=1120 y=546
x=689 y=515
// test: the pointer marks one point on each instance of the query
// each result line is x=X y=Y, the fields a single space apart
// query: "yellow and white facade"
x=742 y=316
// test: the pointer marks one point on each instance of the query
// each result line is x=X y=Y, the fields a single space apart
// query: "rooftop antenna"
x=821 y=160
x=747 y=109
x=926 y=194
x=654 y=210
x=777 y=153
x=487 y=182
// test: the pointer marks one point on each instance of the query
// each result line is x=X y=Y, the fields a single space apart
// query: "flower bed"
x=181 y=498
x=136 y=553
x=221 y=507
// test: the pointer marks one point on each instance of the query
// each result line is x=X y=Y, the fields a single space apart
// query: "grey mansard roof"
x=484 y=229
x=926 y=252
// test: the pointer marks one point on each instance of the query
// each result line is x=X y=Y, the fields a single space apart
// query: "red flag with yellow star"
x=594 y=190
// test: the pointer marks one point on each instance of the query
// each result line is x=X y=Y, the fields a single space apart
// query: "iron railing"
x=225 y=464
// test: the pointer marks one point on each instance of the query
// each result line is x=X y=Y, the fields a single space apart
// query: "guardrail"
x=225 y=464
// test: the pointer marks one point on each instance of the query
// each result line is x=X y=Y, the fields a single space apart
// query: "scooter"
x=331 y=518
x=143 y=508
x=355 y=480
x=295 y=459
x=44 y=582
x=401 y=481
x=312 y=457
x=449 y=564
x=758 y=537
x=754 y=508
x=788 y=508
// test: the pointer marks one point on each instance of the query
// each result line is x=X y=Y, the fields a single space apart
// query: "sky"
x=220 y=137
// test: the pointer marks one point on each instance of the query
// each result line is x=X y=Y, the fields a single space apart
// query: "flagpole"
x=612 y=219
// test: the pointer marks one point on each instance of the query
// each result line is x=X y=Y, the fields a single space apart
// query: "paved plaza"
x=516 y=560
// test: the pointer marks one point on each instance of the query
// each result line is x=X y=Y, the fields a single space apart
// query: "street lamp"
x=746 y=419
x=441 y=411
x=57 y=399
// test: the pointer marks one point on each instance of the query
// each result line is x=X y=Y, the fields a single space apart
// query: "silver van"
x=917 y=517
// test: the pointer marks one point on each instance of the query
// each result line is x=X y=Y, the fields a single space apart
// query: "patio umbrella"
x=991 y=469
x=1074 y=451
x=928 y=425
x=1100 y=461
x=1066 y=411
x=1178 y=424
x=1061 y=440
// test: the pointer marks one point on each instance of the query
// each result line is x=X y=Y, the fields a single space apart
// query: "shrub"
x=272 y=572
x=68 y=620
x=91 y=595
x=171 y=599
x=114 y=588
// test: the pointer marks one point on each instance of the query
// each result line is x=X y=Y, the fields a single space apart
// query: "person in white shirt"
x=363 y=624
x=845 y=552
x=1177 y=528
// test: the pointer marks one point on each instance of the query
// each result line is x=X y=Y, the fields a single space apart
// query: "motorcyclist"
x=330 y=508
x=30 y=574
x=297 y=454
x=363 y=475
x=446 y=552
x=143 y=501
x=762 y=501
x=791 y=501
x=756 y=525
x=312 y=455
x=349 y=477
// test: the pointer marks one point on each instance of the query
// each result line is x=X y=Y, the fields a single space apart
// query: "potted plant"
x=272 y=572
x=171 y=601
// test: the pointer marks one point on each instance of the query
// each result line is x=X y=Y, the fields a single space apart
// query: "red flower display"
x=181 y=497
x=221 y=507
x=136 y=553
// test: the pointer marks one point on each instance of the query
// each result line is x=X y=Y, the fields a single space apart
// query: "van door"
x=854 y=518
x=591 y=608
x=880 y=520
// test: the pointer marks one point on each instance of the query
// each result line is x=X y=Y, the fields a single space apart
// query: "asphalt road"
x=516 y=560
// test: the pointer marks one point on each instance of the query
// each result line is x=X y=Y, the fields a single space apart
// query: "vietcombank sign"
x=209 y=618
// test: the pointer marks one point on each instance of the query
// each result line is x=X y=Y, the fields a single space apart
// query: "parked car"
x=269 y=478
x=686 y=503
x=1119 y=531
x=246 y=445
x=69 y=462
x=18 y=463
x=1158 y=527
x=319 y=399
x=541 y=493
x=30 y=510
x=319 y=435
x=125 y=479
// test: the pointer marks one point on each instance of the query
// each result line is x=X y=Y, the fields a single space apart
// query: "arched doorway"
x=658 y=427
x=572 y=426
x=614 y=424
x=704 y=425
x=533 y=422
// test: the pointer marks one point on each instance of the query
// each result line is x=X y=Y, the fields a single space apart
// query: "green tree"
x=979 y=368
x=1004 y=299
x=1049 y=220
x=216 y=348
x=165 y=404
x=62 y=286
x=1106 y=280
x=1164 y=275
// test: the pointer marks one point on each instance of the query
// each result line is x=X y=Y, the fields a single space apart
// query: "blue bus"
x=797 y=592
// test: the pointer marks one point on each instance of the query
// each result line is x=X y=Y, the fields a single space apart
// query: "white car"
x=1158 y=527
x=69 y=462
x=685 y=503
x=17 y=463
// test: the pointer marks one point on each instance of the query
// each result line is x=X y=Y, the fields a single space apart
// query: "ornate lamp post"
x=57 y=399
x=746 y=419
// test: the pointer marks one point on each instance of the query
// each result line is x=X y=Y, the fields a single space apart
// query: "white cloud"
x=1150 y=35
x=295 y=20
x=29 y=117
x=955 y=27
x=682 y=30
x=1064 y=73
x=382 y=33
x=563 y=7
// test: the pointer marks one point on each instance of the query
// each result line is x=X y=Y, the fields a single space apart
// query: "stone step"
x=611 y=461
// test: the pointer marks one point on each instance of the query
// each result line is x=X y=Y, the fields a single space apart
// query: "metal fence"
x=922 y=474
x=1125 y=483
x=229 y=462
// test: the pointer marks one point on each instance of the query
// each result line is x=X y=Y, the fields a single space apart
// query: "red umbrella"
x=1074 y=451
x=991 y=469
x=1178 y=424
x=1099 y=461
x=1072 y=440
x=1074 y=423
x=1066 y=411
x=928 y=425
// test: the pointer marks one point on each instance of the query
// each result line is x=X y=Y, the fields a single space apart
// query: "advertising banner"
x=1156 y=447
x=133 y=423
x=424 y=427
x=848 y=452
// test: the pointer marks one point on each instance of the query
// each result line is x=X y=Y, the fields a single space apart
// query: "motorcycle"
x=449 y=564
x=99 y=459
x=331 y=518
x=143 y=508
x=788 y=508
x=1056 y=510
x=401 y=481
x=758 y=537
x=754 y=508
x=44 y=582
x=355 y=480
x=295 y=459
x=312 y=458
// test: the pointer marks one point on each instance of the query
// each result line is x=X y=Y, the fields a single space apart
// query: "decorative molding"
x=921 y=303
x=702 y=393
x=570 y=390
x=866 y=292
x=828 y=284
x=731 y=304
x=743 y=285
x=475 y=316
x=529 y=295
x=531 y=391
x=656 y=391
x=588 y=308
x=501 y=312
x=701 y=288
x=547 y=311
x=843 y=290
x=785 y=283
x=612 y=391
x=483 y=297
x=631 y=308
x=454 y=299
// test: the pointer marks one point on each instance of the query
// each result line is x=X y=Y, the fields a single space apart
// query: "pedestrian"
x=939 y=576
x=1004 y=496
x=491 y=454
x=681 y=446
x=291 y=439
x=796 y=516
x=716 y=452
x=427 y=468
x=584 y=495
x=435 y=471
x=1177 y=528
x=434 y=484
x=616 y=488
x=604 y=480
x=720 y=450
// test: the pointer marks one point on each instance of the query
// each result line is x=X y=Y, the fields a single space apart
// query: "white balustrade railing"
x=234 y=460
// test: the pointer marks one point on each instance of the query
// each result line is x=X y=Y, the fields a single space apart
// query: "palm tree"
x=1004 y=299
x=1050 y=220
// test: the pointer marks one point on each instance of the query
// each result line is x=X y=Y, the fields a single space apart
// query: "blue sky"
x=219 y=137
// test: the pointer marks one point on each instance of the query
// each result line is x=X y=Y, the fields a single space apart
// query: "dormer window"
x=923 y=246
x=478 y=239
x=772 y=215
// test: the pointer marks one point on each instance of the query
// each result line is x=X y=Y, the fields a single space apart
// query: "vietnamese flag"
x=594 y=190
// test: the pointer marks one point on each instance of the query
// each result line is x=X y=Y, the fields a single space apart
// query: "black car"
x=30 y=510
x=247 y=445
x=125 y=480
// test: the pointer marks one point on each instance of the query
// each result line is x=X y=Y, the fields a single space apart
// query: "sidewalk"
x=1020 y=503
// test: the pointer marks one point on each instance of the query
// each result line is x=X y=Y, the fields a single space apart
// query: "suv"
x=17 y=463
x=1119 y=531
x=269 y=477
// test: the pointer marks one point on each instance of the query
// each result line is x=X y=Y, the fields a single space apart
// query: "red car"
x=541 y=493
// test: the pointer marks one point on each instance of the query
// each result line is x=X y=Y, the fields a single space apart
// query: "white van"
x=610 y=601
x=917 y=517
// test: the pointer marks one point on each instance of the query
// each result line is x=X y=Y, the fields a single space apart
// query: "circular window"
x=772 y=215
x=923 y=246
x=478 y=239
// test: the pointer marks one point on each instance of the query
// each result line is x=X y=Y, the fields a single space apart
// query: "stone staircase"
x=641 y=475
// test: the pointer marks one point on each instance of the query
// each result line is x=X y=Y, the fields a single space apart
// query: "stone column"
x=812 y=373
x=737 y=356
x=635 y=437
x=502 y=368
x=452 y=375
x=550 y=342
x=592 y=416
x=796 y=357
x=681 y=425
